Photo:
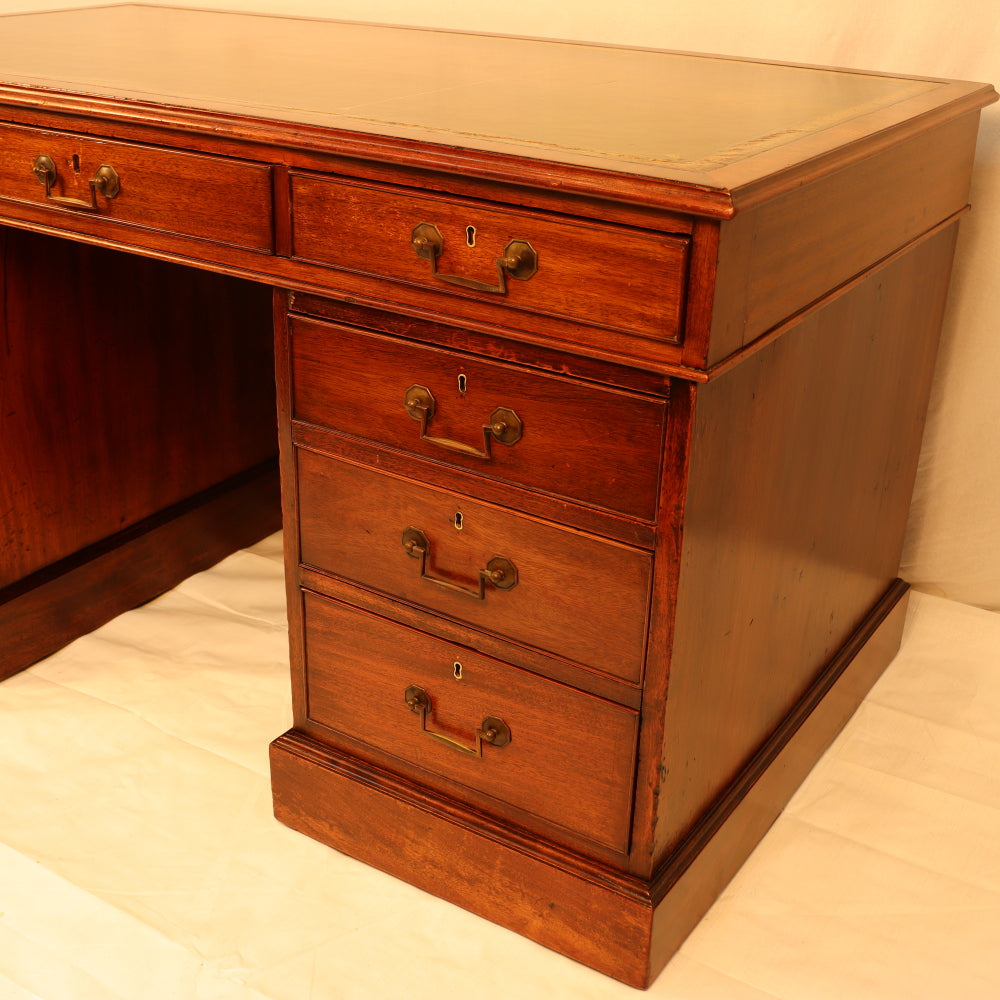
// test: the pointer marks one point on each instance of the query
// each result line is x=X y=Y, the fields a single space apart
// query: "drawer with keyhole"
x=520 y=266
x=584 y=442
x=561 y=591
x=124 y=190
x=472 y=720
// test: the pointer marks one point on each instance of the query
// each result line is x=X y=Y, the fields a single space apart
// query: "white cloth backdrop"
x=953 y=543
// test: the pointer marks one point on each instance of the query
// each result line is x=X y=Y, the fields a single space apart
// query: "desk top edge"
x=562 y=132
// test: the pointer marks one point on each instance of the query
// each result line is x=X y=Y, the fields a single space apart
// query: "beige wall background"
x=953 y=540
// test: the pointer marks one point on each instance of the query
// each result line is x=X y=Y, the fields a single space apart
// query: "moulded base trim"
x=616 y=923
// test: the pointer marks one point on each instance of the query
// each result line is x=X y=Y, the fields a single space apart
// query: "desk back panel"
x=135 y=387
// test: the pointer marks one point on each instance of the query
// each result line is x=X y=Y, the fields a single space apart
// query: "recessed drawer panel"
x=615 y=278
x=557 y=753
x=207 y=197
x=570 y=594
x=585 y=443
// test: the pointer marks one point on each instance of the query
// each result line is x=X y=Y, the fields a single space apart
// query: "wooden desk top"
x=727 y=125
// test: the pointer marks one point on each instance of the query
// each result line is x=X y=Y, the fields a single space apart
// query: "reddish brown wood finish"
x=782 y=255
x=819 y=435
x=624 y=926
x=589 y=519
x=579 y=597
x=356 y=383
x=358 y=668
x=129 y=387
x=223 y=200
x=43 y=612
x=527 y=657
x=588 y=911
x=614 y=279
x=689 y=882
x=719 y=138
x=481 y=340
x=722 y=365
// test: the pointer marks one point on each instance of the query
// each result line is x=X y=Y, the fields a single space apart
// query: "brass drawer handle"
x=105 y=183
x=499 y=572
x=519 y=260
x=493 y=730
x=504 y=425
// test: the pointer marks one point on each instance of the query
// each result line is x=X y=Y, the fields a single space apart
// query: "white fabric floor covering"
x=139 y=858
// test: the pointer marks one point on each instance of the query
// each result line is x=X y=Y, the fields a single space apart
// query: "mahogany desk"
x=601 y=377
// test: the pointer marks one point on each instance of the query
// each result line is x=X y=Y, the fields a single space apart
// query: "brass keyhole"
x=457 y=670
x=458 y=520
x=463 y=383
x=470 y=236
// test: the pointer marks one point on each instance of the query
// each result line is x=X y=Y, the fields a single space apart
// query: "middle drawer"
x=564 y=592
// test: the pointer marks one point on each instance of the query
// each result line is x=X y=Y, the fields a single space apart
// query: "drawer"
x=207 y=197
x=615 y=278
x=559 y=754
x=593 y=445
x=558 y=590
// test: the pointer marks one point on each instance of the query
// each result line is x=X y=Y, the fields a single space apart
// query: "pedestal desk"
x=601 y=376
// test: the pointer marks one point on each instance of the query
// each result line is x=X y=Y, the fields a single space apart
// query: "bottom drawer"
x=548 y=750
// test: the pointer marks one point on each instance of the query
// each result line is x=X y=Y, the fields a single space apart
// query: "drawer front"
x=592 y=445
x=207 y=197
x=576 y=596
x=570 y=756
x=618 y=279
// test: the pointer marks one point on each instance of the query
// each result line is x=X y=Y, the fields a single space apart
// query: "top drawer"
x=614 y=278
x=207 y=197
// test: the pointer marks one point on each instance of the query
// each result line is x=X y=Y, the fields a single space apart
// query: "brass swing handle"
x=499 y=572
x=493 y=730
x=105 y=183
x=519 y=260
x=504 y=425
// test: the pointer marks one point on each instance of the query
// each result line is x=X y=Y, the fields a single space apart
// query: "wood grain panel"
x=620 y=279
x=577 y=596
x=578 y=441
x=359 y=666
x=802 y=464
x=587 y=911
x=208 y=197
x=120 y=398
x=43 y=612
x=623 y=926
x=777 y=258
x=685 y=886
